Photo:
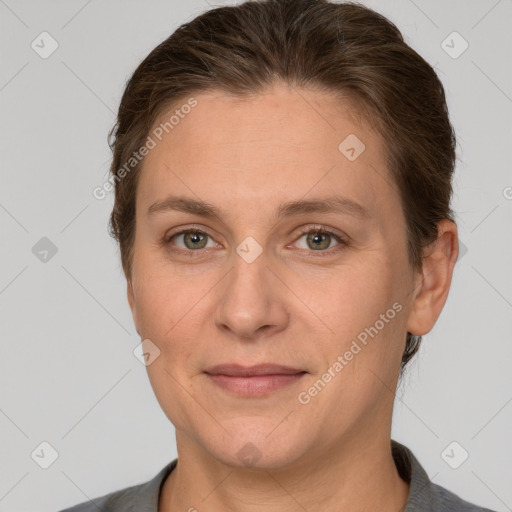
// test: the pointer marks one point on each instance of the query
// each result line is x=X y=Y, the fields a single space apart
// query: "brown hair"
x=345 y=49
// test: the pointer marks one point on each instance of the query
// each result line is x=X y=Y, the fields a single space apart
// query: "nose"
x=253 y=302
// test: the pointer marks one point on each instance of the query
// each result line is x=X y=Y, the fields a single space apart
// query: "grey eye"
x=192 y=239
x=316 y=240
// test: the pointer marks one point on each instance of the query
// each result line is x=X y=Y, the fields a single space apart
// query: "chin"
x=257 y=443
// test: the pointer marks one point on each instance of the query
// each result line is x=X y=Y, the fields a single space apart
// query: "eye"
x=191 y=240
x=319 y=239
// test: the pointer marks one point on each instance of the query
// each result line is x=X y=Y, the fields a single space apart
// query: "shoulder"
x=139 y=498
x=115 y=501
x=425 y=495
x=447 y=500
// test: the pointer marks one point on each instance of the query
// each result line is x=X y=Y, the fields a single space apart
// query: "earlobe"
x=433 y=284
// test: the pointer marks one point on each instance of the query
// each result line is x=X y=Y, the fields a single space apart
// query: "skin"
x=247 y=156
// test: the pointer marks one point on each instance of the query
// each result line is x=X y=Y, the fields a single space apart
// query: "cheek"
x=160 y=294
x=352 y=296
x=155 y=308
x=168 y=312
x=362 y=304
x=362 y=355
x=171 y=312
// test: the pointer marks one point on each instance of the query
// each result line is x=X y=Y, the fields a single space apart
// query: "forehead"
x=303 y=119
x=284 y=143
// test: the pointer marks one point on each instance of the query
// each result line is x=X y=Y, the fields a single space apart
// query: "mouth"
x=253 y=381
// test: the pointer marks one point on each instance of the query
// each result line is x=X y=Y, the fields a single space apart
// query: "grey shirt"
x=424 y=495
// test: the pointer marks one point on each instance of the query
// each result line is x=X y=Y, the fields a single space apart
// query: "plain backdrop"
x=68 y=375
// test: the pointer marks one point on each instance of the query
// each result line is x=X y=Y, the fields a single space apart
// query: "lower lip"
x=254 y=386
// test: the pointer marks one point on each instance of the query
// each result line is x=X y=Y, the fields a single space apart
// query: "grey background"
x=67 y=372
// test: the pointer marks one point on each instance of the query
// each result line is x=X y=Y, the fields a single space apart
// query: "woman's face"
x=251 y=286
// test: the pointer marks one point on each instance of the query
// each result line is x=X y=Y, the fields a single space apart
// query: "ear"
x=131 y=302
x=434 y=280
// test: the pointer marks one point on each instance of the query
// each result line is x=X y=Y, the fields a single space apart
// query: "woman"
x=282 y=176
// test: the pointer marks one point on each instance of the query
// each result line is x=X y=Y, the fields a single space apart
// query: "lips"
x=253 y=381
x=236 y=370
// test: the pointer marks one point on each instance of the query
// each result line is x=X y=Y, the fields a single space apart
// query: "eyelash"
x=317 y=229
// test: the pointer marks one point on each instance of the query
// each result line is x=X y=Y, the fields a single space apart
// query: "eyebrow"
x=331 y=204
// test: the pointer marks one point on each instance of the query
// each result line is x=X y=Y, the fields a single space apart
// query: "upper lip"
x=237 y=370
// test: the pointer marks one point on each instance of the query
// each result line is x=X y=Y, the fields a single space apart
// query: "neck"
x=355 y=476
